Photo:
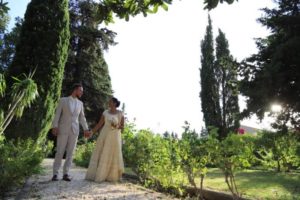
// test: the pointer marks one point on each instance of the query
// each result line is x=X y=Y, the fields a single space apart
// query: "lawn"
x=257 y=184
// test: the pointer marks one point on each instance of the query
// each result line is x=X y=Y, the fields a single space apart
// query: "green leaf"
x=155 y=8
x=127 y=17
x=2 y=84
x=165 y=6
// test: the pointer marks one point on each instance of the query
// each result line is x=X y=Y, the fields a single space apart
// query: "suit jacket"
x=66 y=120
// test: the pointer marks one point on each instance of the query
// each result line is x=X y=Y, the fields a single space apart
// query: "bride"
x=106 y=162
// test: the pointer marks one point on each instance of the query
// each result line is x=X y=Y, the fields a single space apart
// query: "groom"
x=66 y=127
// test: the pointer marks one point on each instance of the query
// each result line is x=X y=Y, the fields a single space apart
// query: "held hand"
x=87 y=134
x=55 y=131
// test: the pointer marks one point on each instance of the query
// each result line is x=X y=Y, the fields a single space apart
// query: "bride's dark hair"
x=116 y=101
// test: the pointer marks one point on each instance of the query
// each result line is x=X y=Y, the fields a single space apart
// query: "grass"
x=254 y=184
x=258 y=184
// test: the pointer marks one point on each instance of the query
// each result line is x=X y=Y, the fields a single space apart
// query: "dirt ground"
x=41 y=187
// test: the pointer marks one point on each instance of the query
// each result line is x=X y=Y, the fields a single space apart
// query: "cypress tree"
x=4 y=19
x=226 y=74
x=86 y=62
x=209 y=90
x=43 y=49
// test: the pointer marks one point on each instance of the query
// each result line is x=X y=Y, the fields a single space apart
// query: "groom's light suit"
x=67 y=117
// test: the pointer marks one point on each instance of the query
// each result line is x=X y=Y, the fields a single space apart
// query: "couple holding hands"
x=106 y=163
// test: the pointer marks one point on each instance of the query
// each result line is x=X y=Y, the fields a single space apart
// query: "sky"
x=154 y=68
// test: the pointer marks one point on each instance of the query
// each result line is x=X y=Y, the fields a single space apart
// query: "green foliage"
x=128 y=147
x=22 y=94
x=2 y=85
x=43 y=48
x=127 y=8
x=195 y=156
x=86 y=62
x=210 y=4
x=234 y=153
x=3 y=8
x=273 y=74
x=153 y=158
x=19 y=159
x=226 y=75
x=209 y=90
x=219 y=88
x=10 y=40
x=278 y=151
x=4 y=18
x=83 y=154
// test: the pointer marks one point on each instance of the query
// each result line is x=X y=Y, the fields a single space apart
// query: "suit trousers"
x=65 y=142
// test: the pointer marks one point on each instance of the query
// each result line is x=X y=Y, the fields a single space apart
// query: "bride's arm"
x=99 y=125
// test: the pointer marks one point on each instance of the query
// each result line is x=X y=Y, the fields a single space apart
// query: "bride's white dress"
x=106 y=162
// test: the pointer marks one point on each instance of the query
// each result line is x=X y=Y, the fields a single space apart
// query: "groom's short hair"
x=75 y=86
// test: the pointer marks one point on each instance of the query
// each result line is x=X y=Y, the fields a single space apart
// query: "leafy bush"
x=83 y=154
x=128 y=147
x=19 y=159
x=234 y=153
x=153 y=158
x=278 y=151
x=195 y=154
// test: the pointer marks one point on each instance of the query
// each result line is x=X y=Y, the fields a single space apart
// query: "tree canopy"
x=272 y=76
x=126 y=8
x=42 y=49
x=86 y=63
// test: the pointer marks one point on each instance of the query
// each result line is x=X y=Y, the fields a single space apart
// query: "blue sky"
x=155 y=66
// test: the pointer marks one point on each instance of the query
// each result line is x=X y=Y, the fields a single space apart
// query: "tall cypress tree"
x=4 y=19
x=86 y=62
x=43 y=49
x=226 y=74
x=209 y=90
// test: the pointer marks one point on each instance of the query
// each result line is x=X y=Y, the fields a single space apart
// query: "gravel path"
x=41 y=187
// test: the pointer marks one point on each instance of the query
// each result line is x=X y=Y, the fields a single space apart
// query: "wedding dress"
x=106 y=163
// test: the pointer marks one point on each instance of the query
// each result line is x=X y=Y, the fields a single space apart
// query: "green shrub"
x=83 y=154
x=231 y=154
x=195 y=154
x=19 y=159
x=278 y=151
x=128 y=147
x=153 y=158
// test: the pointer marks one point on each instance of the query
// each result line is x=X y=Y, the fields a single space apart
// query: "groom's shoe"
x=66 y=177
x=54 y=178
